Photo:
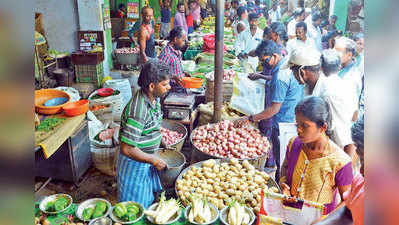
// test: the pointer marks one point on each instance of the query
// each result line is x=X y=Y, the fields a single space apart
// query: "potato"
x=265 y=175
x=230 y=191
x=258 y=179
x=274 y=189
x=234 y=161
x=209 y=163
x=258 y=198
x=224 y=165
x=216 y=170
x=220 y=204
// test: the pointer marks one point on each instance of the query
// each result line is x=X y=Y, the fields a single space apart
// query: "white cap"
x=302 y=56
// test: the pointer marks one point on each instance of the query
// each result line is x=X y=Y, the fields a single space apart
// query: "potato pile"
x=222 y=183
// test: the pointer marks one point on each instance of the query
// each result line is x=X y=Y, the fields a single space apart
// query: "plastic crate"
x=89 y=74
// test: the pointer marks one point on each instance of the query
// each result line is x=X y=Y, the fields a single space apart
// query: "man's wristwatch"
x=251 y=118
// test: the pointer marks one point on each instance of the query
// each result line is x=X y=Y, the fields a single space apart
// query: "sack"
x=272 y=211
x=122 y=85
x=104 y=159
x=103 y=153
x=248 y=96
x=206 y=113
x=116 y=102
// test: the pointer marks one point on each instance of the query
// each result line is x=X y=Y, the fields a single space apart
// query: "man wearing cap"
x=282 y=96
x=248 y=40
x=299 y=15
x=322 y=80
x=301 y=39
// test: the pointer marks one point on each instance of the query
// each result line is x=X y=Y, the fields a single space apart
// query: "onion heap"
x=170 y=137
x=226 y=141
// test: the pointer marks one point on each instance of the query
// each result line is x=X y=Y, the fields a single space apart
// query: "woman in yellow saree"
x=315 y=168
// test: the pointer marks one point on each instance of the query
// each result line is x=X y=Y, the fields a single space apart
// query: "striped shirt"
x=172 y=58
x=140 y=123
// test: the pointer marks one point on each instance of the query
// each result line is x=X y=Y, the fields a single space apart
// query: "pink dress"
x=354 y=199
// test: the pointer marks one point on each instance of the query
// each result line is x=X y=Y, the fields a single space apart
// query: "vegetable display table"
x=61 y=219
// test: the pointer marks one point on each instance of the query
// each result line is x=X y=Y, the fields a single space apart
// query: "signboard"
x=88 y=40
x=133 y=10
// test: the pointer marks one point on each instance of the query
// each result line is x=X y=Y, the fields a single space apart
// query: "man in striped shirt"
x=140 y=136
x=172 y=56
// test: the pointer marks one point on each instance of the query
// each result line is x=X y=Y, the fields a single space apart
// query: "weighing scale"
x=178 y=106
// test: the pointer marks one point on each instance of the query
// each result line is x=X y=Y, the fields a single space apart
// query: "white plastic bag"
x=122 y=85
x=72 y=92
x=188 y=65
x=277 y=213
x=248 y=96
x=116 y=102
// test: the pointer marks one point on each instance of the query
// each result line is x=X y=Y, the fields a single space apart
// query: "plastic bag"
x=188 y=65
x=209 y=44
x=273 y=211
x=116 y=102
x=248 y=96
x=123 y=85
x=72 y=92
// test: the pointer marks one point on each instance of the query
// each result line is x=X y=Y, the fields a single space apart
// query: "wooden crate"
x=227 y=90
x=70 y=161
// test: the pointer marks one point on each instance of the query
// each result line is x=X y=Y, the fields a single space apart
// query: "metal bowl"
x=214 y=212
x=91 y=203
x=117 y=220
x=101 y=221
x=172 y=220
x=51 y=198
x=201 y=156
x=270 y=182
x=224 y=211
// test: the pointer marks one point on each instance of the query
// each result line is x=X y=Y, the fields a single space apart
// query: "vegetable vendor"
x=171 y=56
x=140 y=136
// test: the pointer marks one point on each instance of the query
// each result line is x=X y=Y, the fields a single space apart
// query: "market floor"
x=94 y=184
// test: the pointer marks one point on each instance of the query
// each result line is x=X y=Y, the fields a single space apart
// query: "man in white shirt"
x=349 y=71
x=299 y=15
x=336 y=92
x=275 y=12
x=301 y=39
x=314 y=30
x=248 y=40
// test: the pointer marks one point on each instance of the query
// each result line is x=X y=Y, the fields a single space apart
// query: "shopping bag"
x=273 y=211
x=248 y=95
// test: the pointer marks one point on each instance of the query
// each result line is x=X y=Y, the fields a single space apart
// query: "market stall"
x=219 y=183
